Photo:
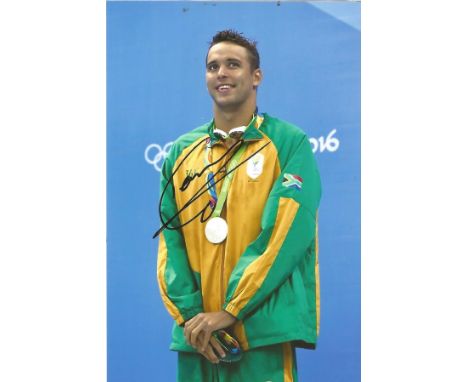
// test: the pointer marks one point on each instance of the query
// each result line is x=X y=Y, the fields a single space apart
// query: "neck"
x=228 y=119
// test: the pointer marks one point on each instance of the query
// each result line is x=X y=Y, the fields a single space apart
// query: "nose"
x=222 y=71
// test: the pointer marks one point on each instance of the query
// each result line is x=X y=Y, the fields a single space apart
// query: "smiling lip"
x=224 y=87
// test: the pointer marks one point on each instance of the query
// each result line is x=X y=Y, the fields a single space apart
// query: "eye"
x=212 y=67
x=234 y=65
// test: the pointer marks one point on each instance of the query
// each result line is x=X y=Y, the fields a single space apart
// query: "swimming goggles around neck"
x=235 y=133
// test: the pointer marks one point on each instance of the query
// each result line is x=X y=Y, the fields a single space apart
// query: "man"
x=238 y=247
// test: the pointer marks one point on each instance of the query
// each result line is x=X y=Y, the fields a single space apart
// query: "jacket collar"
x=252 y=132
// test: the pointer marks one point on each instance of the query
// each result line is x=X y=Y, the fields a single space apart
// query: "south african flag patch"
x=292 y=181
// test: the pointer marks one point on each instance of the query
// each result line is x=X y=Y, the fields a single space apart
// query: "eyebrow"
x=228 y=60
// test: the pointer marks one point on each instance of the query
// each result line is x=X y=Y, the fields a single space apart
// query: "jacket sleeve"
x=177 y=285
x=288 y=233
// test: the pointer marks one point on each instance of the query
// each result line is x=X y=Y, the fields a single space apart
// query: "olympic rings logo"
x=155 y=154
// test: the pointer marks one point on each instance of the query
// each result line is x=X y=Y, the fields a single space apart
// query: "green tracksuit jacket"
x=266 y=272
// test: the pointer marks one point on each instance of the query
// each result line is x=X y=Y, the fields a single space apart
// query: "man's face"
x=229 y=78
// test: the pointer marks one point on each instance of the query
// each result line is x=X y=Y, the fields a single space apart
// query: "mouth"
x=223 y=88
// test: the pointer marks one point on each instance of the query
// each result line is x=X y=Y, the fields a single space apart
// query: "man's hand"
x=210 y=353
x=198 y=330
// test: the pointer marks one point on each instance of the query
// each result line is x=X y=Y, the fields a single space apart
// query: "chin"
x=228 y=107
x=224 y=103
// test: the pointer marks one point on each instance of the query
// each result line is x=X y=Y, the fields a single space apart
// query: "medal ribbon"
x=227 y=180
x=214 y=199
x=215 y=202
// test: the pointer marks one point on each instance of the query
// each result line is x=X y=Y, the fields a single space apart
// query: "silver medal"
x=216 y=230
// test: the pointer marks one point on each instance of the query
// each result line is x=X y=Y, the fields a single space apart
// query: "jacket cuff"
x=187 y=314
x=188 y=306
x=232 y=310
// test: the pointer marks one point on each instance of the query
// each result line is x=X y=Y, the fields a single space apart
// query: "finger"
x=205 y=354
x=210 y=354
x=187 y=332
x=198 y=346
x=189 y=324
x=205 y=338
x=188 y=328
x=217 y=347
x=194 y=337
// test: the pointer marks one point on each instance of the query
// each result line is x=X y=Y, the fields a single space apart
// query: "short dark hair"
x=234 y=37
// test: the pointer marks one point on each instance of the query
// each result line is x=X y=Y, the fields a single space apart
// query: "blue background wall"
x=310 y=56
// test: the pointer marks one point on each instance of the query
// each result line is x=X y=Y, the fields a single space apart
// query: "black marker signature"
x=189 y=178
x=201 y=190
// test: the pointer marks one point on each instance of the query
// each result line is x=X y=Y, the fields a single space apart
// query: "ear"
x=257 y=77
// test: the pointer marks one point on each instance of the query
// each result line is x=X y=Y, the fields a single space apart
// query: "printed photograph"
x=233 y=191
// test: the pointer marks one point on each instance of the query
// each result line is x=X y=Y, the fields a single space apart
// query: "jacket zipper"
x=223 y=256
x=223 y=214
x=222 y=279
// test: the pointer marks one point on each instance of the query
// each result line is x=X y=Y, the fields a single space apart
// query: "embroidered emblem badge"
x=255 y=166
x=292 y=181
